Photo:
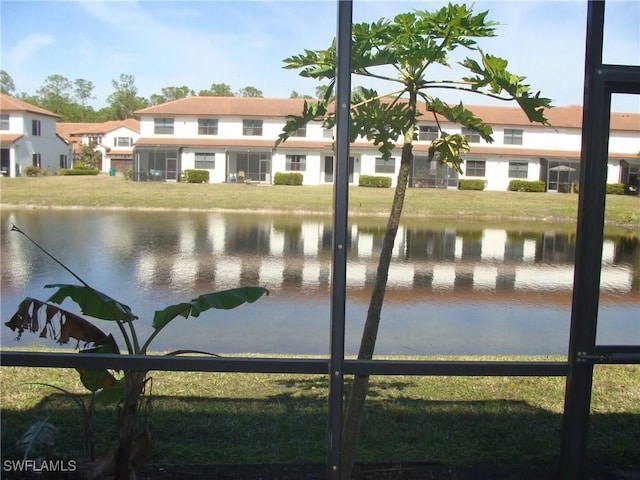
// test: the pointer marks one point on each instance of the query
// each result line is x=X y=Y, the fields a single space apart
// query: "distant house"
x=113 y=139
x=28 y=138
x=233 y=138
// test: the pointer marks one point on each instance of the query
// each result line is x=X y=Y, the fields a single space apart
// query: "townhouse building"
x=28 y=138
x=113 y=139
x=234 y=139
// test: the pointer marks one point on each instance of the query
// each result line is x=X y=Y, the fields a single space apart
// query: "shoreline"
x=566 y=222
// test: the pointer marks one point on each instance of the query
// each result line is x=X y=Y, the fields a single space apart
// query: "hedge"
x=288 y=178
x=472 y=184
x=77 y=171
x=526 y=186
x=195 y=176
x=615 y=188
x=374 y=181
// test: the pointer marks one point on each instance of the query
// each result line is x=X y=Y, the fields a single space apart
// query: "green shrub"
x=615 y=188
x=196 y=176
x=288 y=178
x=127 y=173
x=80 y=171
x=472 y=184
x=526 y=186
x=81 y=165
x=374 y=181
x=32 y=171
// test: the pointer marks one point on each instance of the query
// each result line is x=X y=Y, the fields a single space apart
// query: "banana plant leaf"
x=28 y=317
x=92 y=302
x=223 y=300
x=95 y=380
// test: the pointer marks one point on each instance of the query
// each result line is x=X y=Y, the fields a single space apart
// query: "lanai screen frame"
x=601 y=81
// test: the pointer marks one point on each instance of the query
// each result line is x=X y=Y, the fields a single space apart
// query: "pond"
x=453 y=289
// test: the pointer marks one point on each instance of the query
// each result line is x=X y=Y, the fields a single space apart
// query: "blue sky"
x=241 y=43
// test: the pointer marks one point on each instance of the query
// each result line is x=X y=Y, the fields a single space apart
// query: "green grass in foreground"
x=115 y=192
x=255 y=418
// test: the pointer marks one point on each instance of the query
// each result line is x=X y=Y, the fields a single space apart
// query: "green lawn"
x=115 y=192
x=273 y=418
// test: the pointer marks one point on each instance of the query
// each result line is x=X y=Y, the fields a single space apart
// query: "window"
x=512 y=136
x=385 y=166
x=4 y=121
x=35 y=128
x=207 y=126
x=475 y=168
x=205 y=161
x=63 y=161
x=327 y=133
x=252 y=127
x=296 y=163
x=163 y=126
x=36 y=160
x=518 y=169
x=427 y=132
x=94 y=140
x=122 y=141
x=301 y=132
x=472 y=137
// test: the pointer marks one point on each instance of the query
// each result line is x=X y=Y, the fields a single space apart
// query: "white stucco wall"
x=47 y=144
x=540 y=138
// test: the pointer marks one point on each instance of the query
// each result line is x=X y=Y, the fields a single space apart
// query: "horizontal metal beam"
x=609 y=349
x=281 y=365
x=611 y=358
x=456 y=368
x=620 y=78
x=165 y=362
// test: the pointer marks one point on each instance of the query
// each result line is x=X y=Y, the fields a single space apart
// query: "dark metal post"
x=340 y=213
x=586 y=289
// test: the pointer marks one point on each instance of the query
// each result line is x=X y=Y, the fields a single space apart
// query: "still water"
x=452 y=290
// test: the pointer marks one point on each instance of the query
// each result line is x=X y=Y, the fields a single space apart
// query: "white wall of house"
x=52 y=150
x=553 y=143
x=216 y=174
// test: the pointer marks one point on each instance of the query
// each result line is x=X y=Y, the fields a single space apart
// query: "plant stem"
x=355 y=409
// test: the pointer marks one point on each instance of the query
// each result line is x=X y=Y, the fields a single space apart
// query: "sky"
x=242 y=43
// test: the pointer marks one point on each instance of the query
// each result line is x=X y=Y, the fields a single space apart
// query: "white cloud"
x=21 y=54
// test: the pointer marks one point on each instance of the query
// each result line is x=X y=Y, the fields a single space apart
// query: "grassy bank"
x=254 y=418
x=115 y=192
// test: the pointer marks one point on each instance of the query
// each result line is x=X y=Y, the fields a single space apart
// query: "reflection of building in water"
x=289 y=254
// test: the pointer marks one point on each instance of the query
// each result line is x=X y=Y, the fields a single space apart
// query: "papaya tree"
x=129 y=389
x=401 y=51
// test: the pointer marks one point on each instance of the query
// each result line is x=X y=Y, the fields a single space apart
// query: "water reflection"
x=451 y=290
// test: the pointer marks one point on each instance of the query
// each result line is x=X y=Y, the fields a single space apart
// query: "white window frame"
x=208 y=163
x=252 y=127
x=207 y=126
x=385 y=166
x=513 y=136
x=427 y=133
x=296 y=163
x=163 y=126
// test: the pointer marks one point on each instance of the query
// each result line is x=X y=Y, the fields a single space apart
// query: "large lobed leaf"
x=223 y=300
x=92 y=302
x=28 y=317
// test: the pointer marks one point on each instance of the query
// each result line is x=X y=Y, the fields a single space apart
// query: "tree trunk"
x=355 y=408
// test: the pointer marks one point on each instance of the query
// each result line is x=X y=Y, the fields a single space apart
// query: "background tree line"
x=71 y=98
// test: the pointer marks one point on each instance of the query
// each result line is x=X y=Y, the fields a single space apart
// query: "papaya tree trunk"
x=355 y=407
